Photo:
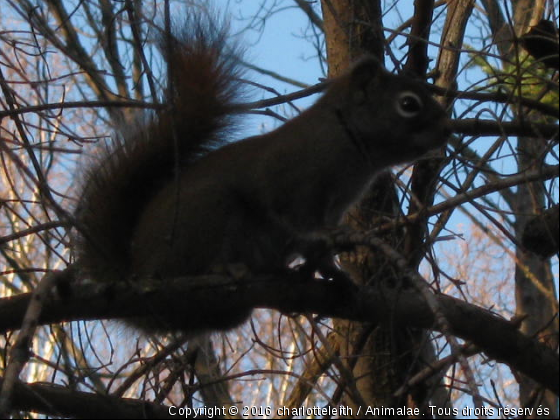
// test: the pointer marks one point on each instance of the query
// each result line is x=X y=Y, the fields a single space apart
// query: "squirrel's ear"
x=363 y=72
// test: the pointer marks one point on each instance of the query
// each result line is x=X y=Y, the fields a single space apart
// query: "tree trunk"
x=379 y=357
x=534 y=283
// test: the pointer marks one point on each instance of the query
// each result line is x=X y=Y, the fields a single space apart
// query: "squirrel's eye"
x=409 y=104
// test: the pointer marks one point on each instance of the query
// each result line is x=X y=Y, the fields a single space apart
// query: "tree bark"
x=534 y=282
x=380 y=357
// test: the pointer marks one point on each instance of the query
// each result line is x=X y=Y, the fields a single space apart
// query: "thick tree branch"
x=61 y=402
x=306 y=7
x=417 y=62
x=482 y=128
x=497 y=337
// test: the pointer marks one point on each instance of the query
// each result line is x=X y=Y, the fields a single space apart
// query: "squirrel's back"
x=204 y=71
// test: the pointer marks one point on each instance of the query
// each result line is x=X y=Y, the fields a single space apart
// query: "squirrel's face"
x=394 y=116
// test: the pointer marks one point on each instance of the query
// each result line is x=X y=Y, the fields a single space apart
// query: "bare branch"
x=406 y=307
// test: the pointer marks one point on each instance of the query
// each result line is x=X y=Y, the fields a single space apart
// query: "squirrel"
x=175 y=197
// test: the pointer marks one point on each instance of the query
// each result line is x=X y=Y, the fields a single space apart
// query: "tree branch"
x=481 y=128
x=498 y=338
x=61 y=402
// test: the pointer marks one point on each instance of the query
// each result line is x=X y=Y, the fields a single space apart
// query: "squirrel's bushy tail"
x=204 y=72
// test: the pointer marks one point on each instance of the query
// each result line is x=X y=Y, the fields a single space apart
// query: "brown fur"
x=248 y=201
